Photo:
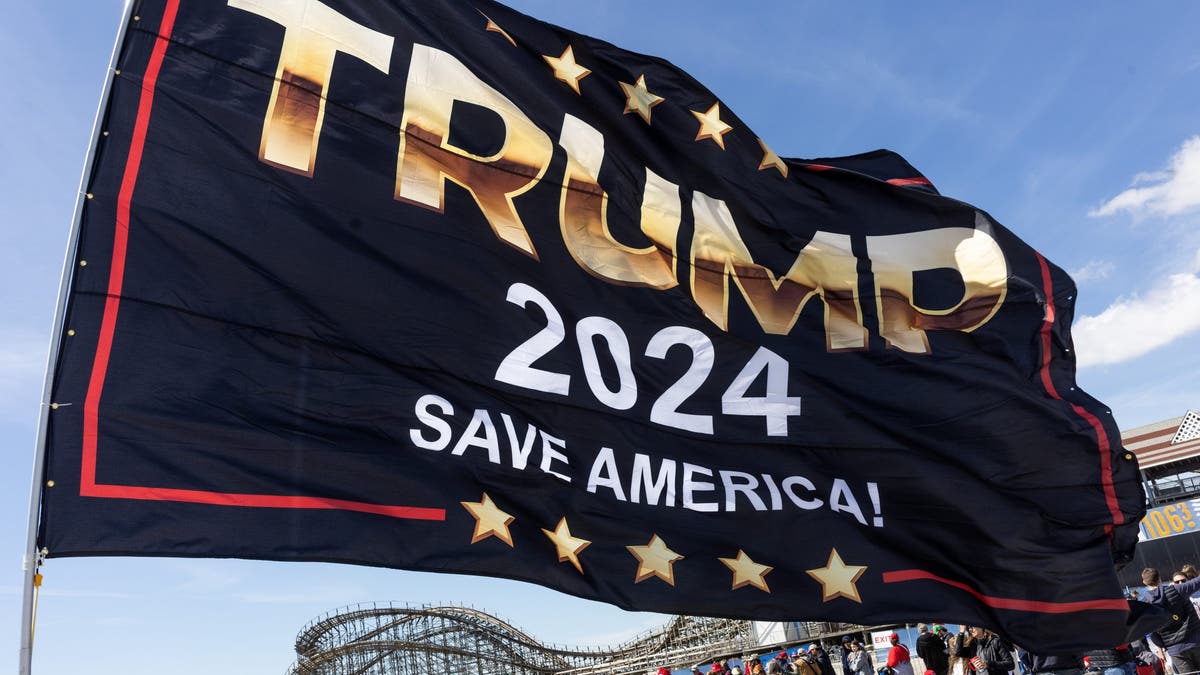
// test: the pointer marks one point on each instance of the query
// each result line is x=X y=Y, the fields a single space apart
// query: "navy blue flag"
x=437 y=286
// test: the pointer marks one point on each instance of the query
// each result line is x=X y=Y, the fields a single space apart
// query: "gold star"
x=746 y=572
x=770 y=159
x=639 y=99
x=490 y=521
x=568 y=547
x=495 y=28
x=837 y=578
x=711 y=125
x=655 y=560
x=567 y=70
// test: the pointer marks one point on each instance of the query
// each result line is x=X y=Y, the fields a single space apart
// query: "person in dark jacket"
x=1118 y=661
x=997 y=654
x=817 y=653
x=1181 y=637
x=932 y=651
x=1037 y=664
x=846 y=640
x=986 y=653
x=963 y=648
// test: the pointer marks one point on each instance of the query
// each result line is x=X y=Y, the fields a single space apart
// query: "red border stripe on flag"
x=91 y=409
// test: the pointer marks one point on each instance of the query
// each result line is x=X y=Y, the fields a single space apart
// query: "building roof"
x=1164 y=442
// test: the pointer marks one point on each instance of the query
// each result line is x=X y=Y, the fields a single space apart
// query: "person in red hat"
x=663 y=671
x=898 y=657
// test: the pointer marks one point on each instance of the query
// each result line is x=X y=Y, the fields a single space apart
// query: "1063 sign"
x=1170 y=520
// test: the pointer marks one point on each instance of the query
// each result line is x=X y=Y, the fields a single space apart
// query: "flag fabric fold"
x=438 y=286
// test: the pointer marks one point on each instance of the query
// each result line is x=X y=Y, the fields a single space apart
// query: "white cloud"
x=1139 y=324
x=1150 y=177
x=1094 y=269
x=1175 y=190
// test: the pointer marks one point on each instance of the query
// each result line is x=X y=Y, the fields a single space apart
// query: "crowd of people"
x=810 y=660
x=1173 y=649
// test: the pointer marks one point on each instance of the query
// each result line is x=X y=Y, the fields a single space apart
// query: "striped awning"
x=1166 y=441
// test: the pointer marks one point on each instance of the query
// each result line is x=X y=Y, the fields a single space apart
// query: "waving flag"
x=437 y=286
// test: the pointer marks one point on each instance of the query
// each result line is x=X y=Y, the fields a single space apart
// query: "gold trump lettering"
x=825 y=268
x=313 y=35
x=426 y=159
x=583 y=216
x=971 y=252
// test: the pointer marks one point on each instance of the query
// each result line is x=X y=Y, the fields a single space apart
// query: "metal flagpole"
x=32 y=560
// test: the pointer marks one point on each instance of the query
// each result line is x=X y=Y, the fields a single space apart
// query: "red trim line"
x=263 y=501
x=1116 y=604
x=91 y=408
x=1106 y=473
x=920 y=180
x=818 y=167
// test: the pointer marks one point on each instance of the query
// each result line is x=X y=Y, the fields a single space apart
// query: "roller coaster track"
x=385 y=639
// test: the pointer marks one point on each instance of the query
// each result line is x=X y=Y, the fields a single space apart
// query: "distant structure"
x=1168 y=454
x=383 y=639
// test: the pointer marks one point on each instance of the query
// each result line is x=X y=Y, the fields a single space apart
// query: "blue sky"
x=1075 y=125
